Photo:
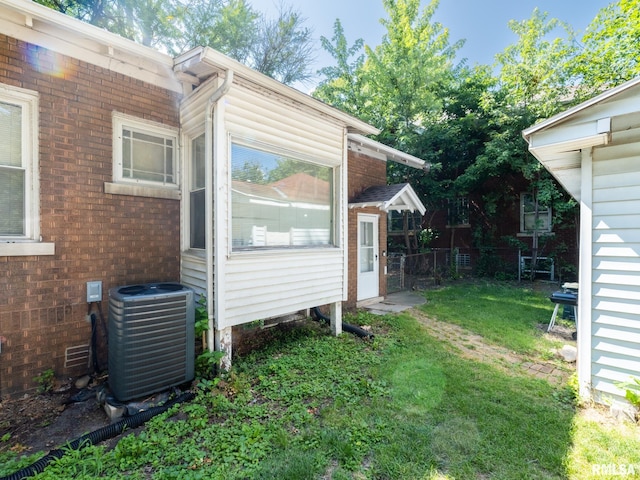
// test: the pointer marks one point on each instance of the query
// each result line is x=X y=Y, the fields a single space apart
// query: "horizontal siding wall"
x=253 y=116
x=268 y=285
x=616 y=268
x=193 y=271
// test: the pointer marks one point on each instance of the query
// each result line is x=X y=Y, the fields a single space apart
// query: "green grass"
x=312 y=406
x=502 y=313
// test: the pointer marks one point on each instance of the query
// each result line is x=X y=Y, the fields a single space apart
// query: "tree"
x=229 y=27
x=609 y=54
x=150 y=22
x=533 y=83
x=281 y=48
x=284 y=47
x=404 y=75
x=342 y=86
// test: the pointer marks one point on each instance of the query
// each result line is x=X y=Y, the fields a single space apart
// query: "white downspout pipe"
x=208 y=195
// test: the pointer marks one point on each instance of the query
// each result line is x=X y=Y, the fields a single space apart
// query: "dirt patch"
x=472 y=346
x=40 y=423
x=43 y=422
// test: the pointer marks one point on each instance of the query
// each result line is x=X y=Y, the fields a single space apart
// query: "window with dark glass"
x=197 y=194
x=533 y=215
x=458 y=211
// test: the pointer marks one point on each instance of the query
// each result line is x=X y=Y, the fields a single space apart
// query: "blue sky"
x=483 y=23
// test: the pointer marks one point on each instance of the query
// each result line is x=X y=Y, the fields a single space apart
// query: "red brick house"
x=122 y=165
x=370 y=202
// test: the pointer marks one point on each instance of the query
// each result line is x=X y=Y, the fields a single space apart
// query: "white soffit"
x=362 y=144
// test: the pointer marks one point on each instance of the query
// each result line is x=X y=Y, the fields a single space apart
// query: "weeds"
x=45 y=381
x=309 y=406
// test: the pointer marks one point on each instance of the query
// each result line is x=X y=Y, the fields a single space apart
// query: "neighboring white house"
x=593 y=150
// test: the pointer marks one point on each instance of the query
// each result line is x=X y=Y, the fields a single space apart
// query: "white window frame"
x=294 y=155
x=133 y=186
x=30 y=243
x=544 y=215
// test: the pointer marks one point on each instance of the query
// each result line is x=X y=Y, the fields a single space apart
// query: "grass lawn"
x=404 y=406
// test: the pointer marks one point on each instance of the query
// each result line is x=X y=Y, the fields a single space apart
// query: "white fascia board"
x=389 y=153
x=39 y=25
x=563 y=116
x=544 y=150
x=206 y=61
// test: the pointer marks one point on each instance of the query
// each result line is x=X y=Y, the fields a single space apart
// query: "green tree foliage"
x=281 y=48
x=342 y=84
x=404 y=75
x=609 y=53
x=229 y=27
x=150 y=22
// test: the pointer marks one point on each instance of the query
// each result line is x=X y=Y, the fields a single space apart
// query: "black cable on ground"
x=362 y=333
x=98 y=436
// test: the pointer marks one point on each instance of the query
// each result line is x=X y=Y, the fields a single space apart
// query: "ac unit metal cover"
x=151 y=338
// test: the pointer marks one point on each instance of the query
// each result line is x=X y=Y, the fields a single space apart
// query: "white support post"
x=223 y=343
x=335 y=314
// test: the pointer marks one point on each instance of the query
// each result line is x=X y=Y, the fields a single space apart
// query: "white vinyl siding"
x=262 y=286
x=193 y=272
x=271 y=282
x=616 y=268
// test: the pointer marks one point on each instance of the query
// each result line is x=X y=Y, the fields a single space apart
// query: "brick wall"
x=364 y=172
x=117 y=239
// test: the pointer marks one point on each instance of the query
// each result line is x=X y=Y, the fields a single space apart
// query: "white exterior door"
x=368 y=252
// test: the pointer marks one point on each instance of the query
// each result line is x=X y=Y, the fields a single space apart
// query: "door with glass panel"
x=368 y=266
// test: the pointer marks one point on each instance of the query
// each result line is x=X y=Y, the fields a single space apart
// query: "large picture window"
x=144 y=152
x=18 y=165
x=278 y=200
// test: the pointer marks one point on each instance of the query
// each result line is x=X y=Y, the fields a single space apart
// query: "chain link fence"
x=420 y=271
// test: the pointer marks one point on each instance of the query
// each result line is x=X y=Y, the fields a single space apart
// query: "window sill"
x=141 y=191
x=23 y=249
x=540 y=234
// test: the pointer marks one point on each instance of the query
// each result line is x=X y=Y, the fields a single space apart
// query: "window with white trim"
x=145 y=153
x=197 y=221
x=279 y=201
x=18 y=165
x=533 y=215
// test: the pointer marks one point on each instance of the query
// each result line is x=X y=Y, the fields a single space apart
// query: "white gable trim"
x=405 y=199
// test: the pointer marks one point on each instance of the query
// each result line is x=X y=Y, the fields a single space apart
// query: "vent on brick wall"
x=151 y=338
x=77 y=356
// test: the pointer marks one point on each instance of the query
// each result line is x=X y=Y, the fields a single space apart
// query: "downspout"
x=208 y=195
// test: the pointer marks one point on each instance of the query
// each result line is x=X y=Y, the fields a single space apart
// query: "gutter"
x=208 y=195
